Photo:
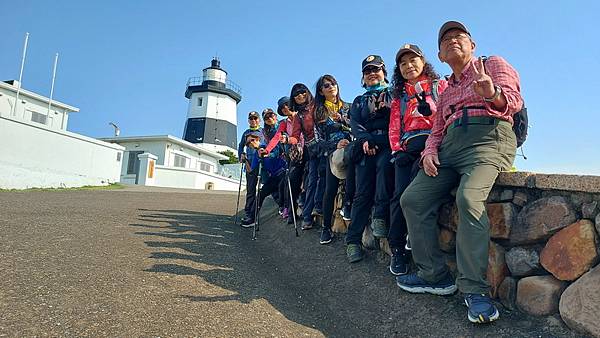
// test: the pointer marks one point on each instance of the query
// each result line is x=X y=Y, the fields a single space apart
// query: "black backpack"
x=520 y=121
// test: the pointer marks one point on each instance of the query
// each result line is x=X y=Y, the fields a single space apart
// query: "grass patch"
x=112 y=186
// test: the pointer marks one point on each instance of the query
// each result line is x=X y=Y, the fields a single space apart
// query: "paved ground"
x=170 y=263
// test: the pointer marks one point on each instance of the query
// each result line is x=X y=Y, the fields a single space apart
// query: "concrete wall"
x=191 y=179
x=36 y=156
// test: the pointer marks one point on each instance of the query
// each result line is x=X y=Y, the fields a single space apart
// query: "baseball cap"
x=408 y=48
x=372 y=60
x=253 y=114
x=451 y=25
x=266 y=112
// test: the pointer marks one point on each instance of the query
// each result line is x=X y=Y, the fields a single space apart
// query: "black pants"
x=251 y=182
x=403 y=176
x=270 y=186
x=331 y=188
x=296 y=173
x=374 y=175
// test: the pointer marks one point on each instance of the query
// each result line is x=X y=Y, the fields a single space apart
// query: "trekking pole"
x=292 y=205
x=257 y=202
x=237 y=207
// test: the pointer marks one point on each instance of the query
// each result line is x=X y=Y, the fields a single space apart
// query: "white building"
x=168 y=161
x=212 y=109
x=37 y=150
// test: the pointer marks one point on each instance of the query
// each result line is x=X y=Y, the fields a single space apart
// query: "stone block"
x=540 y=219
x=447 y=240
x=502 y=219
x=597 y=224
x=520 y=198
x=494 y=195
x=384 y=246
x=497 y=269
x=571 y=252
x=580 y=304
x=589 y=210
x=507 y=292
x=523 y=262
x=539 y=295
x=368 y=240
x=506 y=195
x=448 y=216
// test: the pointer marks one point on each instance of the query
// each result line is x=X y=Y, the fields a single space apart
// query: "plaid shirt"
x=461 y=94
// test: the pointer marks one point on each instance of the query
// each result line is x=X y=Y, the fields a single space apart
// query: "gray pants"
x=470 y=158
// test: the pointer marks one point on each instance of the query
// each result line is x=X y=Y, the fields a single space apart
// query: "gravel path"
x=157 y=262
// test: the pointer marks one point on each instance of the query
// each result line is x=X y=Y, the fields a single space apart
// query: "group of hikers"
x=396 y=152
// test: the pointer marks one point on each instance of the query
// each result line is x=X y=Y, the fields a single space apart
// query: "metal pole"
x=21 y=74
x=52 y=88
x=291 y=199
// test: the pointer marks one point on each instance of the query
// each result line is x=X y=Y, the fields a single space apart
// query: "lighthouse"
x=212 y=109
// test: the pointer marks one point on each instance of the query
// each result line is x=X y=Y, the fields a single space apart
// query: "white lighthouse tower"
x=212 y=109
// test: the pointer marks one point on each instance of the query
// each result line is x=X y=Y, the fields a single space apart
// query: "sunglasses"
x=253 y=118
x=371 y=70
x=299 y=92
x=328 y=85
x=270 y=116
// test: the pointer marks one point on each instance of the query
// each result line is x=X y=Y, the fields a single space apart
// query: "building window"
x=206 y=167
x=37 y=117
x=179 y=161
x=133 y=165
x=199 y=102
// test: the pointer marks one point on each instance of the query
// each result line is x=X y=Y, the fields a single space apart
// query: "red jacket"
x=306 y=127
x=413 y=120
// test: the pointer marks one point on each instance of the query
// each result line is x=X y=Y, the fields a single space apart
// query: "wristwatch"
x=496 y=95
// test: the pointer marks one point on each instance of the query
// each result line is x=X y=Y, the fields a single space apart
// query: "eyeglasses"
x=328 y=85
x=371 y=70
x=460 y=36
x=299 y=92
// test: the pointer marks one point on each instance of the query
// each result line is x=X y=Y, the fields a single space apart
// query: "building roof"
x=166 y=138
x=10 y=86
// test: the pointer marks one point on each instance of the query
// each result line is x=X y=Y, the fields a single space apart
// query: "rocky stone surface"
x=448 y=216
x=589 y=210
x=497 y=269
x=502 y=217
x=368 y=240
x=539 y=295
x=597 y=224
x=523 y=262
x=520 y=198
x=540 y=219
x=571 y=252
x=507 y=293
x=447 y=240
x=580 y=304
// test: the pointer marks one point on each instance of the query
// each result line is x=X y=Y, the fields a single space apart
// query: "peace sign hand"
x=483 y=84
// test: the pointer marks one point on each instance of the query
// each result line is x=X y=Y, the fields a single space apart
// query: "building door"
x=133 y=164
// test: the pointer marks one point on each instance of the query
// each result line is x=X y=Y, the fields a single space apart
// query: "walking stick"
x=237 y=207
x=257 y=202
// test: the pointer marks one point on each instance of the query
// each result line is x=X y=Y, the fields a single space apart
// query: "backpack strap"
x=435 y=90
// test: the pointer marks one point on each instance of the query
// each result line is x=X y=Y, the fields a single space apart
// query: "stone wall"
x=544 y=245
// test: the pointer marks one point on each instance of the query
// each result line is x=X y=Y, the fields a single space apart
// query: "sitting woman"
x=416 y=87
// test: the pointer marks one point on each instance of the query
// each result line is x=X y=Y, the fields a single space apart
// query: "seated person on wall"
x=247 y=155
x=470 y=142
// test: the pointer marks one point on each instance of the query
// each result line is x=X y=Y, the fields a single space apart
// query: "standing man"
x=471 y=141
x=248 y=158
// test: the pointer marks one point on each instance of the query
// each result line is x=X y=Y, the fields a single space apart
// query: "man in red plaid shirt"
x=471 y=141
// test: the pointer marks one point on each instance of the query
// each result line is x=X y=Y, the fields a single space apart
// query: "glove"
x=423 y=107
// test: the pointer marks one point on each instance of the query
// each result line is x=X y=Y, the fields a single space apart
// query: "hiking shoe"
x=354 y=252
x=247 y=222
x=379 y=228
x=415 y=284
x=307 y=225
x=316 y=212
x=399 y=262
x=280 y=211
x=346 y=212
x=407 y=246
x=326 y=236
x=481 y=308
x=285 y=213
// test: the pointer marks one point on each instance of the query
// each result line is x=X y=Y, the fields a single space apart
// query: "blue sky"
x=128 y=61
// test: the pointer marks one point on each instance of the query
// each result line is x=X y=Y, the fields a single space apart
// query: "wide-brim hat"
x=337 y=164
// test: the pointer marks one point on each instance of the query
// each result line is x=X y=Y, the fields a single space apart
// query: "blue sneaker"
x=481 y=308
x=326 y=236
x=415 y=284
x=354 y=253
